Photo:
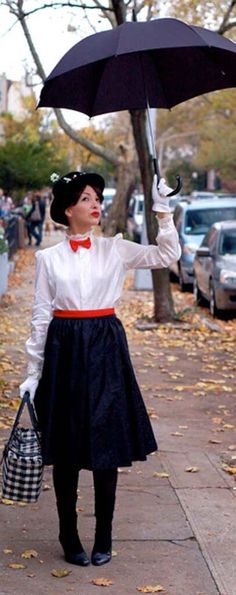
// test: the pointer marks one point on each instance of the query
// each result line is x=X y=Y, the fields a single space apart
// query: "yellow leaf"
x=7 y=502
x=102 y=582
x=3 y=426
x=60 y=573
x=232 y=447
x=230 y=470
x=16 y=566
x=176 y=434
x=7 y=551
x=160 y=474
x=192 y=469
x=228 y=426
x=29 y=554
x=214 y=441
x=151 y=589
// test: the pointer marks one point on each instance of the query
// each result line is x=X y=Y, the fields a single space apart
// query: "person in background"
x=80 y=375
x=6 y=203
x=35 y=218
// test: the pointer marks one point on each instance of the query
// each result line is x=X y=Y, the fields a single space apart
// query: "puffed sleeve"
x=41 y=316
x=167 y=250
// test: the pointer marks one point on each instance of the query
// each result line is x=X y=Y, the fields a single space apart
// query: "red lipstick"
x=95 y=214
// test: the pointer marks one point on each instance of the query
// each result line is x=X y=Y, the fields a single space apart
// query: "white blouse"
x=90 y=279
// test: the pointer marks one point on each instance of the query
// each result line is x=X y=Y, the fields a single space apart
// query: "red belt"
x=83 y=313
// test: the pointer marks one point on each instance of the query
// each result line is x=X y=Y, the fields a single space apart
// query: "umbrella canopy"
x=159 y=63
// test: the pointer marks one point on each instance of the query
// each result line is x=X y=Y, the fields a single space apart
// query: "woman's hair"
x=68 y=189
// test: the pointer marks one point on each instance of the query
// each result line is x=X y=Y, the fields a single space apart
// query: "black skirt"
x=88 y=402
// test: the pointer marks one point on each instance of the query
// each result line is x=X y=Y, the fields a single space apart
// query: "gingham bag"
x=22 y=459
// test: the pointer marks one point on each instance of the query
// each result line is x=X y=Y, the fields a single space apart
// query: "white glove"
x=30 y=385
x=159 y=195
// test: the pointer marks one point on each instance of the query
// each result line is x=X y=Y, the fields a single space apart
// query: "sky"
x=49 y=29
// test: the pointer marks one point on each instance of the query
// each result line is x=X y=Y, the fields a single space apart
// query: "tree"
x=29 y=154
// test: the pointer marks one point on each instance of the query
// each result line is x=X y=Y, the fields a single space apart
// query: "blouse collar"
x=79 y=236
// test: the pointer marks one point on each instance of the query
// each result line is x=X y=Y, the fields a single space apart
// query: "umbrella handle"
x=178 y=187
x=156 y=169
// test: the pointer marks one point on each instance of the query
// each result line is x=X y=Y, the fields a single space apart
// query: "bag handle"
x=33 y=419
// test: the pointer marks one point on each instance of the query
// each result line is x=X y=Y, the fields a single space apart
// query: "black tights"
x=65 y=479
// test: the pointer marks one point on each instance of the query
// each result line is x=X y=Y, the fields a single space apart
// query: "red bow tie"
x=75 y=244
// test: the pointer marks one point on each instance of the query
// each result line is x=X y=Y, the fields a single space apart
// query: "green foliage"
x=3 y=246
x=28 y=164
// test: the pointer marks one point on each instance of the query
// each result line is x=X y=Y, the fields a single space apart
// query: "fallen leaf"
x=60 y=573
x=7 y=551
x=16 y=566
x=102 y=582
x=176 y=434
x=29 y=554
x=151 y=589
x=160 y=474
x=7 y=502
x=230 y=470
x=192 y=469
x=214 y=441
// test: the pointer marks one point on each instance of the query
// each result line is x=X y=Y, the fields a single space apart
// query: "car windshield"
x=197 y=222
x=228 y=242
x=139 y=206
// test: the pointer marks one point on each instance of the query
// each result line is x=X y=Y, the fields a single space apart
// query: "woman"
x=87 y=399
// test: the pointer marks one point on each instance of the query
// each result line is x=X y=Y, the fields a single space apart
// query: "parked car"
x=108 y=194
x=203 y=194
x=193 y=218
x=135 y=217
x=136 y=214
x=215 y=268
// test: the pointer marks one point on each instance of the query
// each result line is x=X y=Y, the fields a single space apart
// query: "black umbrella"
x=136 y=65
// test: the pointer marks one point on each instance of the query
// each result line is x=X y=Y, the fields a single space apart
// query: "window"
x=228 y=242
x=200 y=220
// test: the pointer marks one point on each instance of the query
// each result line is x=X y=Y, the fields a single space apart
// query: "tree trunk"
x=125 y=185
x=163 y=302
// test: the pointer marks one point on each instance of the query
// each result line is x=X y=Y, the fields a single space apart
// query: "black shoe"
x=77 y=558
x=100 y=558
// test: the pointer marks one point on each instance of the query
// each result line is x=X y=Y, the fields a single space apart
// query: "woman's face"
x=85 y=213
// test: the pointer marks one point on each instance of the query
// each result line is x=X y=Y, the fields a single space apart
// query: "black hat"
x=65 y=190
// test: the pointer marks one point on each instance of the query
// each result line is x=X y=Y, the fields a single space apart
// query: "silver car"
x=215 y=268
x=192 y=219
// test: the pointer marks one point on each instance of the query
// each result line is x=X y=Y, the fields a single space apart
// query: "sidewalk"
x=175 y=521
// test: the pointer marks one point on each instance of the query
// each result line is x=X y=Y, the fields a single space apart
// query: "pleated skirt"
x=88 y=402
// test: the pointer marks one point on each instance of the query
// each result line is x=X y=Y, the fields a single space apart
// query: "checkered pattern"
x=22 y=466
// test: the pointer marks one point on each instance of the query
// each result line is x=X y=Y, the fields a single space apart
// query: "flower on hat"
x=54 y=177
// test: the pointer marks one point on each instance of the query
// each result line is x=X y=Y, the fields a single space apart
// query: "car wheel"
x=197 y=293
x=182 y=284
x=213 y=307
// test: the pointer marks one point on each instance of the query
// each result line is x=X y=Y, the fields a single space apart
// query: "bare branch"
x=68 y=4
x=91 y=146
x=225 y=25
